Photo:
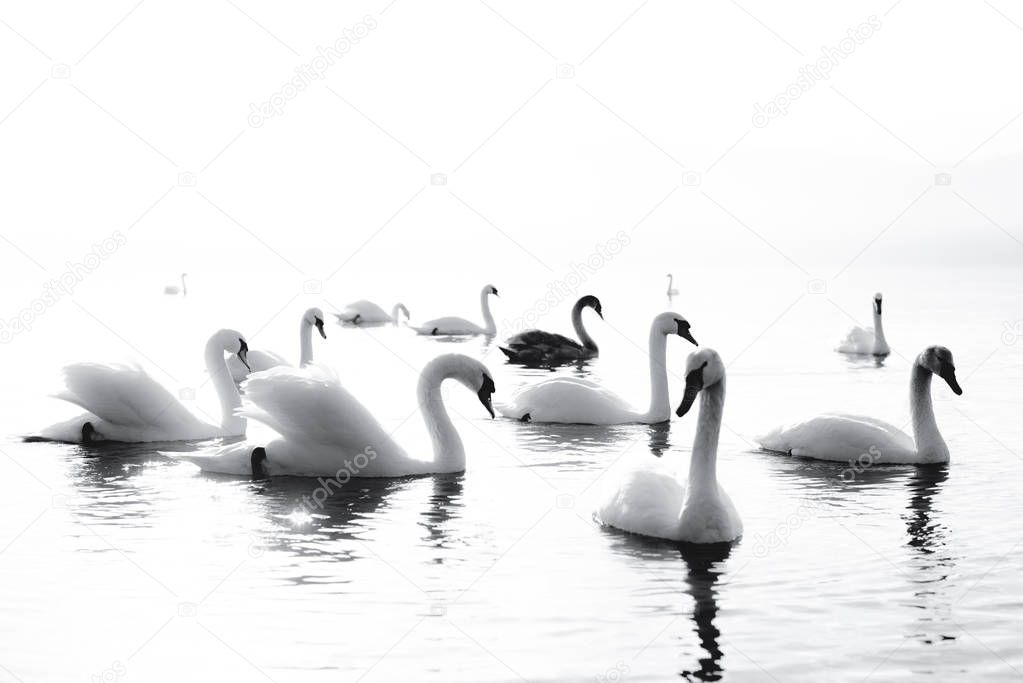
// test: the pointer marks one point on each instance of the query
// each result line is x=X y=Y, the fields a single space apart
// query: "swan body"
x=325 y=431
x=651 y=500
x=174 y=290
x=850 y=438
x=258 y=361
x=671 y=285
x=461 y=326
x=124 y=403
x=582 y=401
x=362 y=312
x=866 y=341
x=536 y=347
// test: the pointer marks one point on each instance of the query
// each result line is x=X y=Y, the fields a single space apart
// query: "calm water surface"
x=122 y=564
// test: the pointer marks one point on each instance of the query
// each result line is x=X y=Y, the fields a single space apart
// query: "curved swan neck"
x=305 y=335
x=703 y=465
x=489 y=326
x=929 y=443
x=448 y=451
x=396 y=312
x=580 y=330
x=659 y=411
x=227 y=391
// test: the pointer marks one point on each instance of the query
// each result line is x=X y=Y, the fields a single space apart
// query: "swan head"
x=314 y=316
x=232 y=341
x=490 y=289
x=877 y=303
x=938 y=360
x=258 y=460
x=591 y=302
x=400 y=307
x=703 y=369
x=672 y=323
x=470 y=373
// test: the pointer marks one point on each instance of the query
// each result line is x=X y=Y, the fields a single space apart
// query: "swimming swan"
x=546 y=348
x=264 y=360
x=325 y=431
x=652 y=501
x=582 y=401
x=459 y=326
x=125 y=404
x=845 y=438
x=867 y=341
x=362 y=312
x=671 y=285
x=174 y=290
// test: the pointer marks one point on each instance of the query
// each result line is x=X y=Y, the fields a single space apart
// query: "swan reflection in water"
x=704 y=568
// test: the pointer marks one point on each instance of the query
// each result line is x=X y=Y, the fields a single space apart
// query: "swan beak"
x=683 y=331
x=319 y=326
x=485 y=395
x=599 y=312
x=243 y=355
x=694 y=383
x=948 y=373
x=877 y=306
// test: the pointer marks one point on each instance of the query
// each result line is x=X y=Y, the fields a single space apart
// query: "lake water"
x=120 y=564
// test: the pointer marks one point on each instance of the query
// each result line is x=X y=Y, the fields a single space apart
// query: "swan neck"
x=305 y=335
x=448 y=451
x=659 y=411
x=580 y=329
x=703 y=465
x=227 y=391
x=488 y=319
x=929 y=444
x=880 y=343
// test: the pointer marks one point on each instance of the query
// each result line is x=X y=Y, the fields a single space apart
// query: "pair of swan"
x=460 y=326
x=325 y=431
x=259 y=361
x=536 y=347
x=364 y=312
x=582 y=401
x=866 y=341
x=123 y=403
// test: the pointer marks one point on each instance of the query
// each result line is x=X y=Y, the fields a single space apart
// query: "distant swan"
x=867 y=341
x=671 y=285
x=360 y=312
x=651 y=500
x=582 y=401
x=846 y=438
x=264 y=360
x=174 y=290
x=325 y=431
x=125 y=404
x=546 y=348
x=460 y=326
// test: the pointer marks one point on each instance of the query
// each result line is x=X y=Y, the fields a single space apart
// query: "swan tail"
x=512 y=355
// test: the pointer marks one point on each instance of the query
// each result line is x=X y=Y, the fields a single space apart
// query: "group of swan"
x=325 y=430
x=258 y=361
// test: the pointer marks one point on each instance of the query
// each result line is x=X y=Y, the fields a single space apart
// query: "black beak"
x=948 y=373
x=243 y=354
x=319 y=326
x=485 y=394
x=599 y=312
x=683 y=331
x=877 y=306
x=694 y=383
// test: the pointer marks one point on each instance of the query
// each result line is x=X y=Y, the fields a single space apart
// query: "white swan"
x=671 y=285
x=125 y=404
x=362 y=311
x=325 y=431
x=652 y=501
x=174 y=290
x=459 y=326
x=848 y=438
x=258 y=361
x=546 y=348
x=582 y=401
x=867 y=341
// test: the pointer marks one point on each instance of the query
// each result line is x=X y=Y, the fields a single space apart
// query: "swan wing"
x=542 y=339
x=449 y=325
x=124 y=395
x=367 y=312
x=235 y=458
x=857 y=340
x=842 y=438
x=569 y=400
x=643 y=499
